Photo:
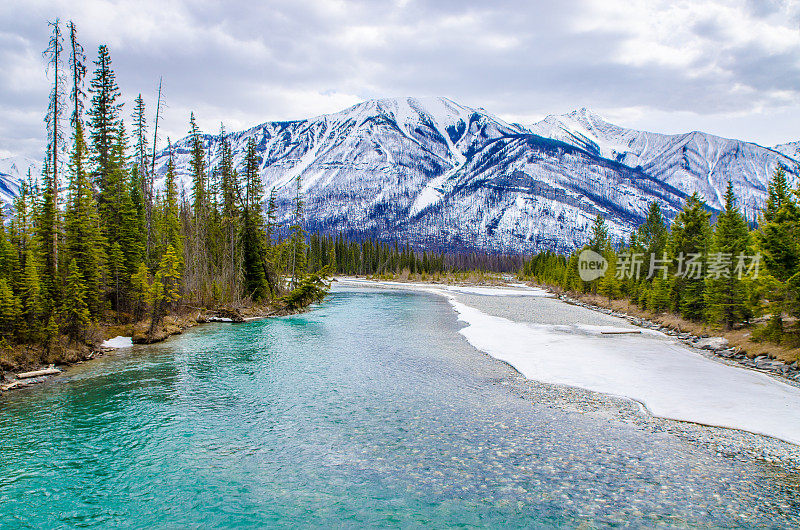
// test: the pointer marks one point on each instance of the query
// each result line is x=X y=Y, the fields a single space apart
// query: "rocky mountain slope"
x=442 y=175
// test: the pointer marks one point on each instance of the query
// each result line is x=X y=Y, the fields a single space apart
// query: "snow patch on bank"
x=118 y=342
x=672 y=381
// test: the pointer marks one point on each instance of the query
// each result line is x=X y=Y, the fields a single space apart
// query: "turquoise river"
x=370 y=410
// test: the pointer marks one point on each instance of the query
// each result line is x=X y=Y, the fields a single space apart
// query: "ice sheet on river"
x=671 y=380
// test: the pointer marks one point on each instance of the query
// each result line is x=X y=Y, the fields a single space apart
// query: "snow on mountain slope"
x=12 y=171
x=791 y=149
x=441 y=175
x=690 y=162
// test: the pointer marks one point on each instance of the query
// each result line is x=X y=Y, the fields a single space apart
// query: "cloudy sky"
x=729 y=67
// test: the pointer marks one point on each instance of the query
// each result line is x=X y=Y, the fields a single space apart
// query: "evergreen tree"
x=599 y=238
x=9 y=310
x=197 y=167
x=298 y=235
x=252 y=236
x=726 y=293
x=84 y=238
x=691 y=238
x=173 y=236
x=653 y=234
x=104 y=116
x=778 y=229
x=46 y=231
x=31 y=297
x=75 y=312
x=140 y=288
x=55 y=58
x=779 y=242
x=165 y=289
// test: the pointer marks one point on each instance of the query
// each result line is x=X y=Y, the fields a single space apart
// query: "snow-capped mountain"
x=690 y=162
x=12 y=171
x=442 y=175
x=791 y=149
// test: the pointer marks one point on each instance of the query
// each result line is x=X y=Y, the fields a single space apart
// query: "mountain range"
x=445 y=176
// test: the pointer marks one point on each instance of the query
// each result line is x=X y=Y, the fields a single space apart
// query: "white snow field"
x=670 y=380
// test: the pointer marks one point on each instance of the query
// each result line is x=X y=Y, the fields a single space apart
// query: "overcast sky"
x=731 y=68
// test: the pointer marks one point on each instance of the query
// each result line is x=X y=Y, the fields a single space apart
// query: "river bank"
x=585 y=359
x=109 y=337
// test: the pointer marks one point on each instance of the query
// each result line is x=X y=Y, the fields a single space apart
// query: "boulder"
x=712 y=343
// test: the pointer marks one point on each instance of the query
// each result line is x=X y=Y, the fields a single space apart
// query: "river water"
x=369 y=410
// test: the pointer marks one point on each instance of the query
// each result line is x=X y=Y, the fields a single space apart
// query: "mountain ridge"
x=443 y=175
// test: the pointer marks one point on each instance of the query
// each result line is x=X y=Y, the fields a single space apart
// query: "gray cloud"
x=724 y=67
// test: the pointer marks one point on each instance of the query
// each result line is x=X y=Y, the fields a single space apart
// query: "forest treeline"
x=374 y=257
x=724 y=274
x=112 y=247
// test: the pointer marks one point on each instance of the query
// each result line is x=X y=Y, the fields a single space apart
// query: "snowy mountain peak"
x=443 y=175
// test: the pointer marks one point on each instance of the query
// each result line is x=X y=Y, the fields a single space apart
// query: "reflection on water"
x=371 y=410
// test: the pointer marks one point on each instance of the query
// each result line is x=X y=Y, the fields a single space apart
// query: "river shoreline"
x=725 y=441
x=173 y=324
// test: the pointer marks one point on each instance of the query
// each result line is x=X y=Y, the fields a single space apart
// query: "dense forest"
x=112 y=248
x=724 y=274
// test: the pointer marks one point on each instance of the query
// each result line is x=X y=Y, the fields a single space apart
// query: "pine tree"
x=165 y=289
x=691 y=239
x=46 y=231
x=230 y=216
x=140 y=288
x=55 y=58
x=197 y=168
x=599 y=238
x=652 y=235
x=778 y=229
x=105 y=121
x=83 y=235
x=31 y=296
x=173 y=236
x=779 y=242
x=9 y=310
x=252 y=236
x=726 y=293
x=141 y=170
x=75 y=312
x=298 y=235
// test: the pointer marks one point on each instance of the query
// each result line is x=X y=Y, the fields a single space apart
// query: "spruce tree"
x=75 y=312
x=690 y=242
x=173 y=237
x=599 y=237
x=779 y=242
x=31 y=297
x=253 y=236
x=165 y=289
x=726 y=293
x=9 y=310
x=55 y=59
x=104 y=116
x=140 y=288
x=85 y=241
x=298 y=235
